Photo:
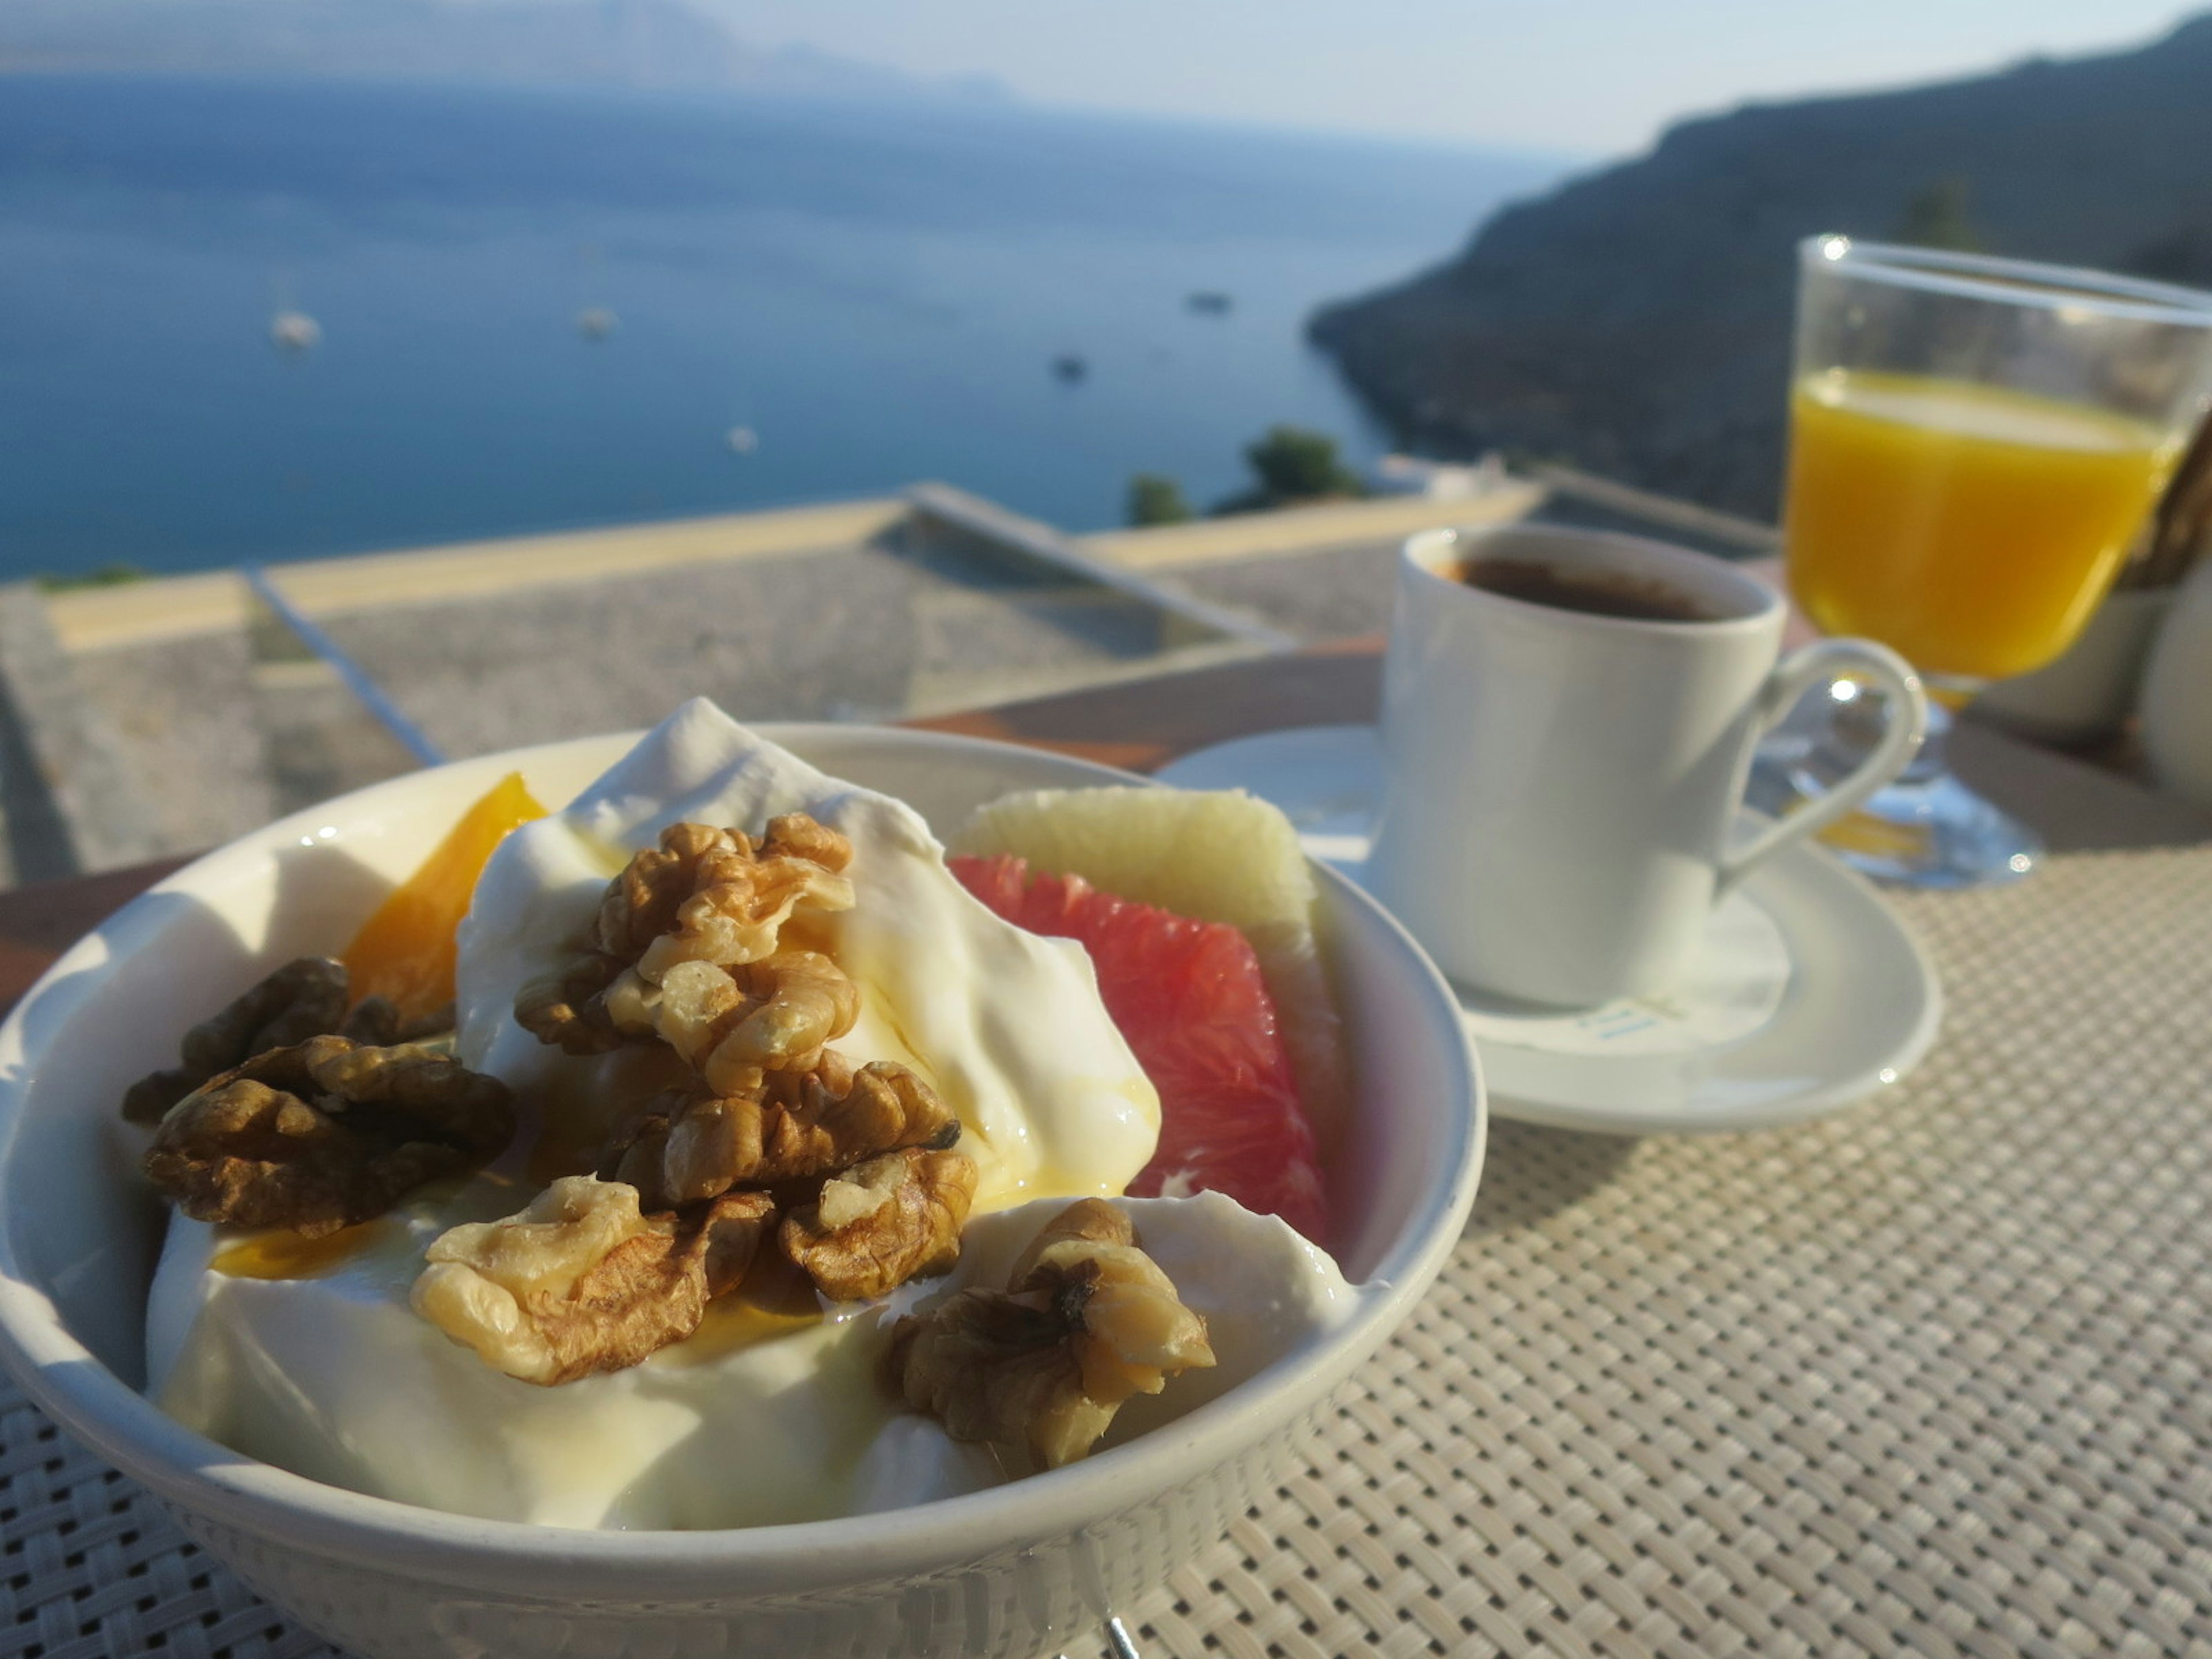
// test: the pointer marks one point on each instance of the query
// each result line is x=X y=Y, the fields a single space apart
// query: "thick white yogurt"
x=335 y=1377
x=1007 y=1026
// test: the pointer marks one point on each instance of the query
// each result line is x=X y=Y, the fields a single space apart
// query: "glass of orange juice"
x=1974 y=444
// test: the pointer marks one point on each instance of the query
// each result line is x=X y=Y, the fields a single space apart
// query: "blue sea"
x=877 y=293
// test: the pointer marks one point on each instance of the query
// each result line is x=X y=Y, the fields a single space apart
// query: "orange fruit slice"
x=405 y=951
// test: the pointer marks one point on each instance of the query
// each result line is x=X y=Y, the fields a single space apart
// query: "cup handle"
x=1822 y=661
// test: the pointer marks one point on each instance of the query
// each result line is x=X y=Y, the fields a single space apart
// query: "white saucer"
x=1811 y=993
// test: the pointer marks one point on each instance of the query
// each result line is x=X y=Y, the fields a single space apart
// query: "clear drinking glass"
x=1974 y=443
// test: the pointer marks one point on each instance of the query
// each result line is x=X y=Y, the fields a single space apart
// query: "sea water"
x=808 y=301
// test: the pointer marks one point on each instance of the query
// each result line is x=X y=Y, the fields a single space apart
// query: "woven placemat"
x=1928 y=1377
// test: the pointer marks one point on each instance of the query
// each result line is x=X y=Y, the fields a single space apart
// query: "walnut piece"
x=581 y=1281
x=1089 y=1220
x=1089 y=1320
x=566 y=1008
x=701 y=895
x=743 y=891
x=325 y=1134
x=305 y=998
x=881 y=1223
x=729 y=1023
x=375 y=1022
x=692 y=1144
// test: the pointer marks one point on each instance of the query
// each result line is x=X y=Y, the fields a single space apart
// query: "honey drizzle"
x=281 y=1253
x=775 y=1300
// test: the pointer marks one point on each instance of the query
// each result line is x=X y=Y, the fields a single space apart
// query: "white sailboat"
x=291 y=329
x=295 y=330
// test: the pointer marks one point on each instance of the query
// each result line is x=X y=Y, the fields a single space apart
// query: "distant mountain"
x=659 y=44
x=1637 y=320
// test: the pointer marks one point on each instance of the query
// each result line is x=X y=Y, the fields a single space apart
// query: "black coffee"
x=1595 y=592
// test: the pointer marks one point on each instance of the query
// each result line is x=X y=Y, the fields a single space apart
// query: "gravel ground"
x=1331 y=593
x=186 y=712
x=780 y=639
x=225 y=731
x=228 y=730
x=859 y=634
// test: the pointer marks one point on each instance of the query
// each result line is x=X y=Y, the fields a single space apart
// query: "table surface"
x=1927 y=1375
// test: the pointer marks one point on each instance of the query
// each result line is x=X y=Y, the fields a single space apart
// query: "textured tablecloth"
x=1930 y=1375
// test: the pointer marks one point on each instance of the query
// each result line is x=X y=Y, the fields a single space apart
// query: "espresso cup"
x=1568 y=719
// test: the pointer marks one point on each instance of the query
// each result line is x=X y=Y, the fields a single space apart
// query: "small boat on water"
x=596 y=322
x=1069 y=368
x=290 y=328
x=742 y=439
x=295 y=330
x=1209 y=302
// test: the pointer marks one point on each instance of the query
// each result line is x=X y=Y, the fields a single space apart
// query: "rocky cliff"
x=1636 y=321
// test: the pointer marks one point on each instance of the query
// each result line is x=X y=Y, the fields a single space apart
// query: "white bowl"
x=1010 y=1571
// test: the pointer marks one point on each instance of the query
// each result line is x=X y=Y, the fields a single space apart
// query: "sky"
x=1588 y=77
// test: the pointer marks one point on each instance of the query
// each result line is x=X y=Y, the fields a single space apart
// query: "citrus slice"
x=1189 y=999
x=1214 y=855
x=405 y=951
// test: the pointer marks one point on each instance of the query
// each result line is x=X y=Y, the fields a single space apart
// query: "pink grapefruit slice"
x=1191 y=1001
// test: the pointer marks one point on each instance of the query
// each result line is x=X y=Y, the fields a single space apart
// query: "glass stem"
x=1860 y=722
x=1934 y=759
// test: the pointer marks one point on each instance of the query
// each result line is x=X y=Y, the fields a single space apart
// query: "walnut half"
x=881 y=1223
x=581 y=1281
x=741 y=891
x=325 y=1134
x=305 y=998
x=775 y=1014
x=1089 y=1320
x=567 y=1008
x=692 y=1144
x=701 y=895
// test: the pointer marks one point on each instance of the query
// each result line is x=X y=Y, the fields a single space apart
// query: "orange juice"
x=1973 y=529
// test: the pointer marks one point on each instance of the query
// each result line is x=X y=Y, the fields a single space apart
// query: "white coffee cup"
x=1561 y=786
